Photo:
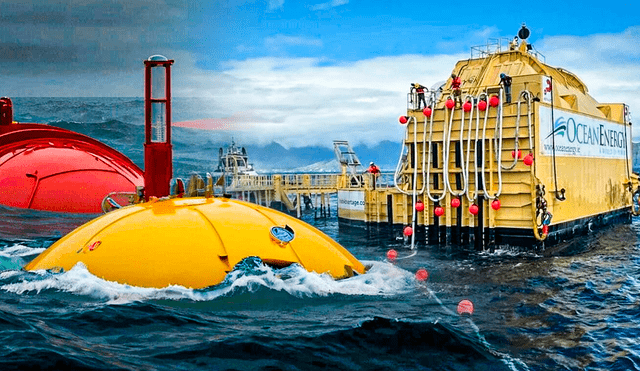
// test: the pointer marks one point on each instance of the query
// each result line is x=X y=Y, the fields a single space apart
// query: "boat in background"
x=234 y=161
x=47 y=168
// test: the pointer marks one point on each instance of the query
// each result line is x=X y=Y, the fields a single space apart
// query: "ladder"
x=347 y=157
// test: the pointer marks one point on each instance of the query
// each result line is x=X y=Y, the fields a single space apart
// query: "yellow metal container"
x=476 y=144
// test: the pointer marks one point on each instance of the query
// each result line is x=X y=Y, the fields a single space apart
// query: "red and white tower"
x=158 y=168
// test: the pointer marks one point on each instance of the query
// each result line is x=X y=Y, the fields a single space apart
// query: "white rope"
x=446 y=146
x=497 y=132
x=415 y=173
x=428 y=177
x=466 y=179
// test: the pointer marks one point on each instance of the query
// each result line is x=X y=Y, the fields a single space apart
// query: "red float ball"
x=455 y=202
x=494 y=101
x=495 y=204
x=482 y=105
x=528 y=159
x=403 y=119
x=467 y=106
x=427 y=112
x=465 y=307
x=513 y=154
x=473 y=209
x=392 y=254
x=408 y=231
x=422 y=274
x=419 y=206
x=450 y=103
x=439 y=211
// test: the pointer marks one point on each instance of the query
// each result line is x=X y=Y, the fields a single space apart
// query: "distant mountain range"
x=275 y=157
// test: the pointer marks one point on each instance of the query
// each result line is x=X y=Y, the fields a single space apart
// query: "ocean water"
x=575 y=306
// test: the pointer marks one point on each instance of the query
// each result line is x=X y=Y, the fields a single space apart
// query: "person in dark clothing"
x=420 y=92
x=505 y=80
x=455 y=87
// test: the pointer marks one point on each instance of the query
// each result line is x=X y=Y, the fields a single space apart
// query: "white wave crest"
x=20 y=250
x=382 y=279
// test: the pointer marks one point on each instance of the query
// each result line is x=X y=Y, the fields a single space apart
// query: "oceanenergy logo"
x=584 y=136
x=581 y=133
x=560 y=127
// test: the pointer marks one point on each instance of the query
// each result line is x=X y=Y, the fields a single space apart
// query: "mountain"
x=274 y=157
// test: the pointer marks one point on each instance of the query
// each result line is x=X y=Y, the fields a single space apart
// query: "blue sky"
x=342 y=30
x=302 y=72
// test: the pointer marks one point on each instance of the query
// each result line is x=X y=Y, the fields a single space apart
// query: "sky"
x=302 y=72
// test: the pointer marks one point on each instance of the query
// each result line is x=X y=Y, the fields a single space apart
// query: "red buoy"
x=473 y=209
x=392 y=255
x=528 y=159
x=494 y=101
x=482 y=105
x=408 y=231
x=495 y=204
x=513 y=154
x=422 y=274
x=439 y=211
x=419 y=206
x=545 y=229
x=403 y=119
x=43 y=167
x=427 y=111
x=465 y=307
x=467 y=106
x=455 y=202
x=450 y=103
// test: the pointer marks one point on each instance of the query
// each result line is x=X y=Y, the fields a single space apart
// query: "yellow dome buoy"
x=193 y=242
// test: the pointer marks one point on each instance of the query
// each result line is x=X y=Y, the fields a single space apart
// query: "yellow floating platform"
x=193 y=242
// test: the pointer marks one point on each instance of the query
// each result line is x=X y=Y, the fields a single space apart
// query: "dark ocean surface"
x=572 y=307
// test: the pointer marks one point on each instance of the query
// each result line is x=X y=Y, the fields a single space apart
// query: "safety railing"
x=494 y=46
x=295 y=182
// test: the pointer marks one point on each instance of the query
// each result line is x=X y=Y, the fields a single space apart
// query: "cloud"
x=329 y=5
x=275 y=5
x=282 y=41
x=304 y=101
x=294 y=101
x=68 y=36
x=606 y=63
x=300 y=101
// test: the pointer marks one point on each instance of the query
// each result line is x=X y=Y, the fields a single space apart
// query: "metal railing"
x=499 y=45
x=301 y=182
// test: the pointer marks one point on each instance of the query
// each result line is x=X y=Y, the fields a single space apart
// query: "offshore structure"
x=167 y=239
x=509 y=151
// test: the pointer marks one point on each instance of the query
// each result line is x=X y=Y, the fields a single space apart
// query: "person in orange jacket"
x=374 y=171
